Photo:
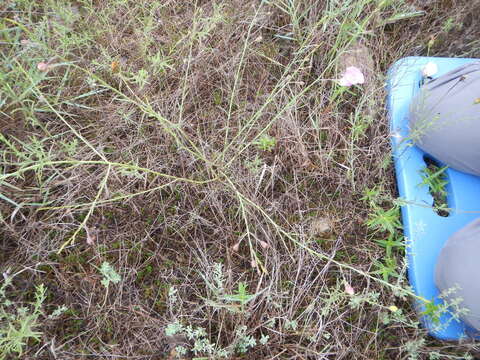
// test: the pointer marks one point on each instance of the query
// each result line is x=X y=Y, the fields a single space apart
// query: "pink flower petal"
x=43 y=66
x=355 y=75
x=352 y=76
x=344 y=82
x=236 y=247
x=349 y=289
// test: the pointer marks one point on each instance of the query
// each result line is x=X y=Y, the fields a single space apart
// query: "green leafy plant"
x=201 y=345
x=18 y=324
x=372 y=196
x=266 y=143
x=264 y=339
x=435 y=178
x=366 y=297
x=241 y=296
x=198 y=339
x=140 y=78
x=254 y=165
x=449 y=305
x=381 y=220
x=215 y=282
x=392 y=242
x=160 y=63
x=385 y=222
x=433 y=311
x=291 y=325
x=109 y=274
x=387 y=268
x=413 y=348
x=244 y=341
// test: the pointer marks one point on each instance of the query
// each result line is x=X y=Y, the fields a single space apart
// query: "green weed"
x=266 y=143
x=435 y=179
x=109 y=275
x=19 y=324
x=198 y=339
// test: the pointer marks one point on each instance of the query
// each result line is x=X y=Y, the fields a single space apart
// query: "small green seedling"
x=393 y=241
x=435 y=178
x=109 y=274
x=266 y=143
x=241 y=296
x=432 y=311
x=381 y=220
x=387 y=268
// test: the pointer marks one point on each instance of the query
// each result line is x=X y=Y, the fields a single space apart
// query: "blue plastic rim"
x=425 y=231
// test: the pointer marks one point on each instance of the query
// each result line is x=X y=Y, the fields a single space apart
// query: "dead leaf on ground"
x=90 y=236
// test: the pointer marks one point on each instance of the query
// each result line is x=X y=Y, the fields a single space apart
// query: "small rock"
x=321 y=226
x=358 y=55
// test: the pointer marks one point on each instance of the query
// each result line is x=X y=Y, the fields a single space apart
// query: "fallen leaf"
x=320 y=226
x=90 y=237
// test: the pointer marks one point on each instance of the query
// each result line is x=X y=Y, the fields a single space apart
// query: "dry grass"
x=170 y=136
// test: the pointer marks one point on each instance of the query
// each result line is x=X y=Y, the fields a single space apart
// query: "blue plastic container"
x=426 y=231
